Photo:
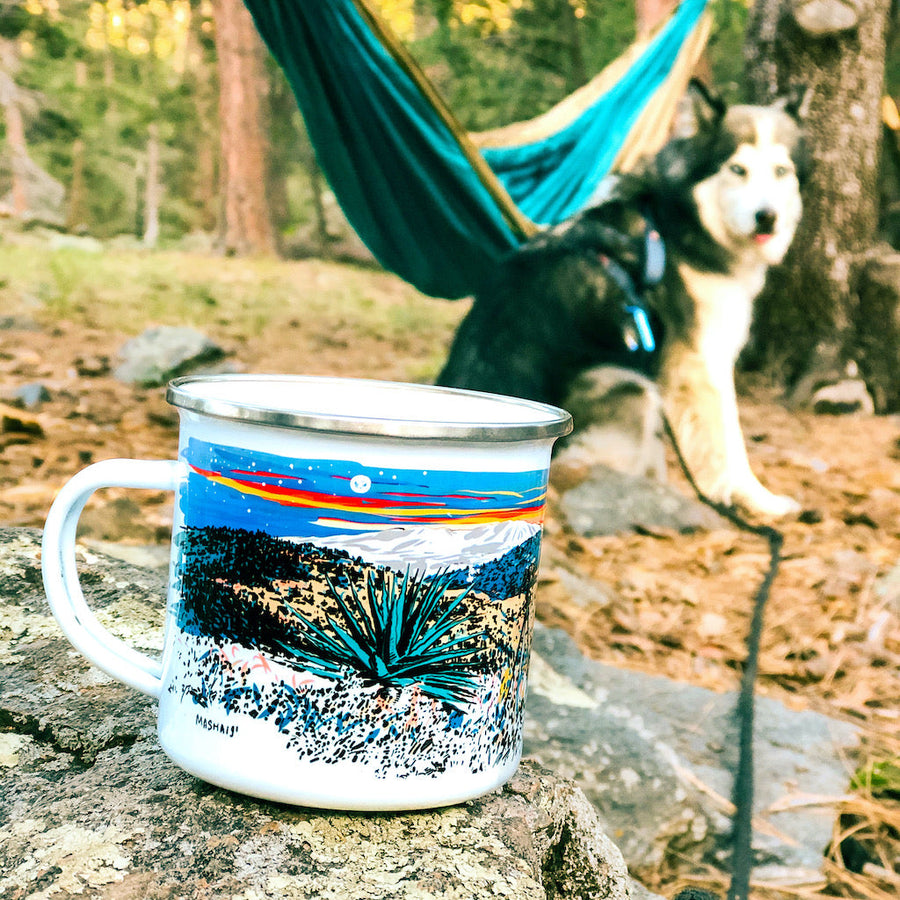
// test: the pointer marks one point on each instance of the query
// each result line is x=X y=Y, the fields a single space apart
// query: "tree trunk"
x=15 y=126
x=810 y=311
x=152 y=188
x=76 y=217
x=649 y=13
x=247 y=226
x=205 y=93
x=570 y=37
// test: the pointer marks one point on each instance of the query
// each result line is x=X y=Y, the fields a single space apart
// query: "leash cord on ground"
x=742 y=793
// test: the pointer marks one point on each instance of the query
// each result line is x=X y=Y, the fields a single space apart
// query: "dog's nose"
x=765 y=221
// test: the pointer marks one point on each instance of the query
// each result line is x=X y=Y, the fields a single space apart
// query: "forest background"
x=166 y=123
x=112 y=105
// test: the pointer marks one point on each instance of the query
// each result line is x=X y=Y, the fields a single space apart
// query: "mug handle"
x=78 y=622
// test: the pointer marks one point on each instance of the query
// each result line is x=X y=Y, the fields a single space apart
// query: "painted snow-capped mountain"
x=430 y=549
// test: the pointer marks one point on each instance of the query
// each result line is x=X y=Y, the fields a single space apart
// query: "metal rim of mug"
x=555 y=422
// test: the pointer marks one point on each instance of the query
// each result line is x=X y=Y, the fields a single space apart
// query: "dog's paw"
x=762 y=502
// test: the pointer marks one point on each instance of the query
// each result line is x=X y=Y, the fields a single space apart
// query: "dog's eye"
x=782 y=171
x=738 y=170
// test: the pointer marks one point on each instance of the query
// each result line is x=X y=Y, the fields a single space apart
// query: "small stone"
x=18 y=422
x=31 y=395
x=610 y=502
x=162 y=353
x=843 y=398
x=92 y=366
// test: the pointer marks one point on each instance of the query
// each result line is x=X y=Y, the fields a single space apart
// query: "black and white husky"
x=660 y=276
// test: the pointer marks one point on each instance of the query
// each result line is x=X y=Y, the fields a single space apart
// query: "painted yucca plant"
x=401 y=635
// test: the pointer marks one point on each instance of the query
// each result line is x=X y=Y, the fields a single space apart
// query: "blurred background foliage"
x=109 y=89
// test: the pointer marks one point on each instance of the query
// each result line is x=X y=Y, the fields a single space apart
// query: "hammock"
x=429 y=204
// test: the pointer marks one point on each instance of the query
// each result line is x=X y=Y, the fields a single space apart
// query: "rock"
x=91 y=804
x=848 y=395
x=825 y=17
x=826 y=367
x=145 y=556
x=610 y=502
x=31 y=395
x=655 y=757
x=612 y=471
x=92 y=366
x=165 y=352
x=119 y=518
x=19 y=425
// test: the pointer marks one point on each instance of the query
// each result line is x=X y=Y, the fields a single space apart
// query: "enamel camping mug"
x=350 y=598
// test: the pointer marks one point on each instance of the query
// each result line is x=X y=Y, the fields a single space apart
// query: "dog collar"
x=638 y=334
x=654 y=257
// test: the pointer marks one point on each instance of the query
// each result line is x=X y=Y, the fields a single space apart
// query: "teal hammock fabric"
x=555 y=178
x=398 y=171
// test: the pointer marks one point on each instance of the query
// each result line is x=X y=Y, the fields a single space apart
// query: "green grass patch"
x=125 y=291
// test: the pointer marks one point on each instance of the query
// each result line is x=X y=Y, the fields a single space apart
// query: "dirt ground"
x=665 y=603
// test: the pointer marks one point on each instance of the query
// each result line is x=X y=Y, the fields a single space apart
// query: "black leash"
x=638 y=335
x=742 y=791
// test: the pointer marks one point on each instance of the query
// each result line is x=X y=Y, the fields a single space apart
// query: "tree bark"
x=15 y=126
x=152 y=188
x=76 y=214
x=247 y=226
x=649 y=13
x=810 y=310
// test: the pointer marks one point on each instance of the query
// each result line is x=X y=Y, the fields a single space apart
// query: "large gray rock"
x=165 y=352
x=92 y=806
x=655 y=757
x=612 y=502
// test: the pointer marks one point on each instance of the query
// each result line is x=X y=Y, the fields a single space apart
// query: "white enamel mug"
x=350 y=597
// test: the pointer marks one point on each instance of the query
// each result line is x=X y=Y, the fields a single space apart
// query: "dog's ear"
x=796 y=101
x=702 y=110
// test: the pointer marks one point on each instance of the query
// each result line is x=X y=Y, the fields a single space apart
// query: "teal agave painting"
x=406 y=631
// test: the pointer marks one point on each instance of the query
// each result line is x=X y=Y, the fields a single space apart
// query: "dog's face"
x=743 y=167
x=751 y=204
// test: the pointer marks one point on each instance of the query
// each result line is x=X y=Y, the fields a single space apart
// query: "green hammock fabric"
x=398 y=168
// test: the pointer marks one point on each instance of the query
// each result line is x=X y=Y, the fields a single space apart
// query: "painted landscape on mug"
x=371 y=615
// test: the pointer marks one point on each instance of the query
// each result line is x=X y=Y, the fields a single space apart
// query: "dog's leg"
x=702 y=408
x=618 y=423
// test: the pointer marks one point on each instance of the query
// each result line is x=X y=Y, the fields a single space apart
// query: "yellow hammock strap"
x=890 y=115
x=650 y=131
x=519 y=223
x=565 y=112
x=653 y=126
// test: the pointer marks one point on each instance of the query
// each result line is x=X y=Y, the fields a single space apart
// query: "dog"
x=658 y=276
